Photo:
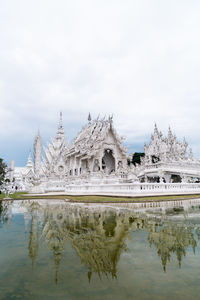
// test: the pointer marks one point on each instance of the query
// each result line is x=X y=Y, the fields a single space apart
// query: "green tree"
x=2 y=171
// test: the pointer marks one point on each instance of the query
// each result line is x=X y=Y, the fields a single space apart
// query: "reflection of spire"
x=57 y=259
x=55 y=237
x=26 y=219
x=164 y=262
x=5 y=212
x=33 y=239
x=89 y=276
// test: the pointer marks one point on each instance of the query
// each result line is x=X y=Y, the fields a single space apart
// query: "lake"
x=59 y=250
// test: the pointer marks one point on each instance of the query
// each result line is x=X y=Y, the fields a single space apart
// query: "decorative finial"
x=170 y=132
x=110 y=118
x=29 y=161
x=156 y=132
x=60 y=131
x=60 y=121
x=89 y=118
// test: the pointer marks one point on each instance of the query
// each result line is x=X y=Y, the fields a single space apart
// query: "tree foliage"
x=2 y=170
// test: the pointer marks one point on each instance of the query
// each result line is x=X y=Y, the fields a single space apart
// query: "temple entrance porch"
x=108 y=162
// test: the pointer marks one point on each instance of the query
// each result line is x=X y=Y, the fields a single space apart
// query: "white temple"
x=97 y=157
x=168 y=160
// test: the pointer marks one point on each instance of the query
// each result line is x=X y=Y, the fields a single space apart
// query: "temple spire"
x=60 y=131
x=60 y=121
x=33 y=238
x=170 y=135
x=89 y=118
x=37 y=153
x=156 y=132
x=29 y=161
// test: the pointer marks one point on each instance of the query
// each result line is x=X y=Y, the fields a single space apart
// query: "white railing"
x=134 y=188
x=176 y=165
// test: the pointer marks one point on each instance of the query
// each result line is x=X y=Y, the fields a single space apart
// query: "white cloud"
x=137 y=59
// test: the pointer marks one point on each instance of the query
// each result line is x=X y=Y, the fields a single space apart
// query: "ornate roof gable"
x=56 y=148
x=92 y=136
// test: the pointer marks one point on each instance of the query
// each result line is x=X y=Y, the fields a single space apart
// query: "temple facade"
x=98 y=157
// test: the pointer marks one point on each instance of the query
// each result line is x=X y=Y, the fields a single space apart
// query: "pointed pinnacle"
x=89 y=117
x=156 y=129
x=60 y=121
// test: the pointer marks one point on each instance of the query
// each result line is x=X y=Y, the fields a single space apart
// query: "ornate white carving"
x=166 y=157
x=37 y=154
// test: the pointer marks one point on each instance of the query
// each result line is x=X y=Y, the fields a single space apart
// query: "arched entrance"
x=108 y=162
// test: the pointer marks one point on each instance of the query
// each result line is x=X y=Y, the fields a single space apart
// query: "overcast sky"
x=136 y=59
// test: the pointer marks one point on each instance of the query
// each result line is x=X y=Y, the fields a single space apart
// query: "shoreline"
x=102 y=199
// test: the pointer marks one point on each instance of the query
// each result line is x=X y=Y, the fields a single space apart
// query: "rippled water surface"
x=56 y=250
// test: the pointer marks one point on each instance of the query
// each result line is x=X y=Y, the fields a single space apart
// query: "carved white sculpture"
x=37 y=154
x=166 y=158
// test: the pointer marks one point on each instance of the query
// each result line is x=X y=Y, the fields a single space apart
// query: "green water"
x=55 y=250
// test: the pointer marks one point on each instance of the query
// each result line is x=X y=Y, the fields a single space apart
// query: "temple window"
x=155 y=159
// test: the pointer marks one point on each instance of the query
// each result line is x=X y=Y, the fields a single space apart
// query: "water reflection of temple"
x=172 y=238
x=34 y=209
x=5 y=212
x=99 y=235
x=99 y=239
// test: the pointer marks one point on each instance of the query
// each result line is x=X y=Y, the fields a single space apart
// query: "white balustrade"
x=128 y=188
